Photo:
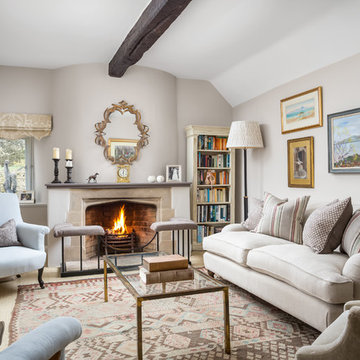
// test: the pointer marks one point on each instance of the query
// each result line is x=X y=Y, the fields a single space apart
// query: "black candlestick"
x=56 y=172
x=69 y=170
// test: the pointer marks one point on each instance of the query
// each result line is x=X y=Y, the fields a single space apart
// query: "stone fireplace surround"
x=68 y=203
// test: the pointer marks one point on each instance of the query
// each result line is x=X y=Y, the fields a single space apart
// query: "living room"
x=215 y=64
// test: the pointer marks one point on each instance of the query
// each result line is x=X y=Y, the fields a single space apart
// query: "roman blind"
x=17 y=125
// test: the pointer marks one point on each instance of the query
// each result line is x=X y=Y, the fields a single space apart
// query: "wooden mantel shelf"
x=116 y=185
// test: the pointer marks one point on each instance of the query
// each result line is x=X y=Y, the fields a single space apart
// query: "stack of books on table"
x=159 y=269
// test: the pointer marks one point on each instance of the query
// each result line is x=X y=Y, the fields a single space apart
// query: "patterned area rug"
x=189 y=327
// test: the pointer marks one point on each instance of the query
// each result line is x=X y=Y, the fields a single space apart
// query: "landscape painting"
x=344 y=141
x=301 y=111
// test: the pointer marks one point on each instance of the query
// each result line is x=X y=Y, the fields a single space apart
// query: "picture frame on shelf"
x=301 y=111
x=210 y=178
x=27 y=197
x=301 y=162
x=173 y=173
x=344 y=142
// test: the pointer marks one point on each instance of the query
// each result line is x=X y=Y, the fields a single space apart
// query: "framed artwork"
x=301 y=111
x=301 y=162
x=344 y=141
x=123 y=149
x=26 y=197
x=173 y=173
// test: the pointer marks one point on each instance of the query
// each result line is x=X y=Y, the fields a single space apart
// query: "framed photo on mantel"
x=301 y=111
x=301 y=162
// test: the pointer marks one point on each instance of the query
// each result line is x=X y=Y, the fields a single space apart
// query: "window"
x=18 y=154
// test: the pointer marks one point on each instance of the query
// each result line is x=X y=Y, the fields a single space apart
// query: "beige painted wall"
x=80 y=95
x=198 y=103
x=267 y=168
x=77 y=97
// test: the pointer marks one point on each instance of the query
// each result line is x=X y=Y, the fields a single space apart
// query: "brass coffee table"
x=126 y=268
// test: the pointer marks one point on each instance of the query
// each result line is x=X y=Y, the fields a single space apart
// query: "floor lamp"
x=245 y=135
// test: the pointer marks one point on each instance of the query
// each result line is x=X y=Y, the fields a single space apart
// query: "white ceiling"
x=244 y=47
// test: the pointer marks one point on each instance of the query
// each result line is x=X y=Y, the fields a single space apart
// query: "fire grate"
x=120 y=243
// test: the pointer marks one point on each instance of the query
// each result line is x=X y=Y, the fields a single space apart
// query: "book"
x=166 y=262
x=155 y=277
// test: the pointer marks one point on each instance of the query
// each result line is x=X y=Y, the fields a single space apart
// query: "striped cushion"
x=350 y=243
x=282 y=218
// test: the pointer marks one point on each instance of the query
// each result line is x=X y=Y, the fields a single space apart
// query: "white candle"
x=68 y=163
x=56 y=153
x=68 y=154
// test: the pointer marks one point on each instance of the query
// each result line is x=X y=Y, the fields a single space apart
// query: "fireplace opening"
x=126 y=224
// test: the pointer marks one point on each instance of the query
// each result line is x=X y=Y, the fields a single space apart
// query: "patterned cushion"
x=350 y=243
x=8 y=235
x=282 y=218
x=254 y=215
x=325 y=226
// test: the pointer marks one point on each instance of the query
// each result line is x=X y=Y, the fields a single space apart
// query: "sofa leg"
x=18 y=275
x=41 y=282
x=212 y=274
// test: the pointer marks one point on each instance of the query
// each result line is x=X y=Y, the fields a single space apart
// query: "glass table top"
x=126 y=267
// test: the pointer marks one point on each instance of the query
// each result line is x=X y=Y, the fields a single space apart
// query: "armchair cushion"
x=8 y=235
x=45 y=341
x=20 y=259
x=31 y=235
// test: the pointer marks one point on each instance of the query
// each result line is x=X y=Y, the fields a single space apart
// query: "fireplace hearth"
x=126 y=223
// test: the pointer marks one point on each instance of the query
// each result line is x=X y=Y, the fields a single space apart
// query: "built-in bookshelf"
x=211 y=169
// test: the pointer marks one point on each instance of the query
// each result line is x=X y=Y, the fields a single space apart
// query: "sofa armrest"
x=32 y=236
x=45 y=341
x=234 y=227
x=351 y=270
x=350 y=304
x=338 y=341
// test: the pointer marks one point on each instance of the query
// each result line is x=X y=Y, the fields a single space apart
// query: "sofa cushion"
x=8 y=235
x=20 y=259
x=350 y=243
x=283 y=219
x=255 y=214
x=319 y=275
x=325 y=226
x=236 y=245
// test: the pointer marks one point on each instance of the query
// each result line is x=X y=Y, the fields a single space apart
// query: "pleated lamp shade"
x=244 y=135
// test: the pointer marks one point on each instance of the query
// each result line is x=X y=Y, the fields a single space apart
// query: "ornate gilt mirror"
x=125 y=133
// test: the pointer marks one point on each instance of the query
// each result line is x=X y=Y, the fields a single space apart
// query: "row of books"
x=206 y=142
x=206 y=213
x=212 y=177
x=206 y=230
x=213 y=195
x=220 y=160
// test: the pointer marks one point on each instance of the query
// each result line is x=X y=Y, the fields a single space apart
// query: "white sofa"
x=312 y=287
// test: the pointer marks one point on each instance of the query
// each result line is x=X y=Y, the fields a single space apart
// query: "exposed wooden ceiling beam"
x=153 y=22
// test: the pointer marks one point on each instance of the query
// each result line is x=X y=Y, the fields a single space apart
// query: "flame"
x=119 y=223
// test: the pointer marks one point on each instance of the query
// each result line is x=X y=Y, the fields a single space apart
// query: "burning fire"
x=119 y=223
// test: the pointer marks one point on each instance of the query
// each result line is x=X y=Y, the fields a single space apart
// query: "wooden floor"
x=8 y=289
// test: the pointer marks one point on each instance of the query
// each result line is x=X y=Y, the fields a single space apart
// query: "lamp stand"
x=245 y=187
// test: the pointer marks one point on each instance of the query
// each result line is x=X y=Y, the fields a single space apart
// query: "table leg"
x=226 y=320
x=139 y=328
x=105 y=282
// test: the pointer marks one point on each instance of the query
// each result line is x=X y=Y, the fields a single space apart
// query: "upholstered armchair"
x=340 y=341
x=48 y=341
x=31 y=254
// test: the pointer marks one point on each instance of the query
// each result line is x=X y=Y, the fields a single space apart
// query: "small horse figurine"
x=92 y=178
